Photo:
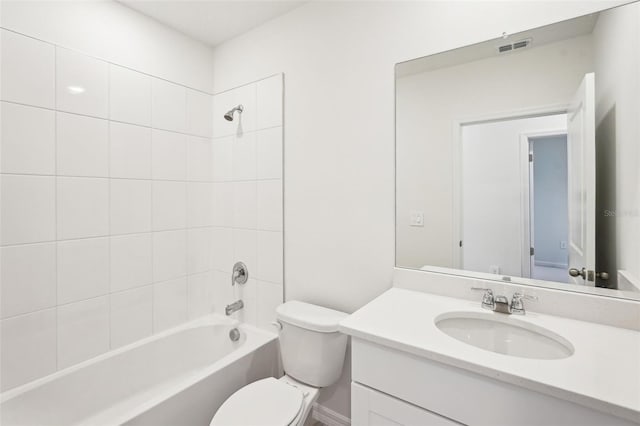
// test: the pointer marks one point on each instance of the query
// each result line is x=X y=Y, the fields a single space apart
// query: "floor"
x=550 y=274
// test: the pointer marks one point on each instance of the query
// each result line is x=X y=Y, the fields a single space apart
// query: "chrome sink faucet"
x=501 y=303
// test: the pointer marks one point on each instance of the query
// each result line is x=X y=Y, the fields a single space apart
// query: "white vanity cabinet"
x=393 y=387
x=371 y=407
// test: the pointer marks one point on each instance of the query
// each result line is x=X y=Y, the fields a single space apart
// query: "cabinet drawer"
x=373 y=408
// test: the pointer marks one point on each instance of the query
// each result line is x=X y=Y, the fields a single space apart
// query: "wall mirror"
x=517 y=159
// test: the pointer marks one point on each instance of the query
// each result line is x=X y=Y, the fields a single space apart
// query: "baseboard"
x=551 y=264
x=329 y=417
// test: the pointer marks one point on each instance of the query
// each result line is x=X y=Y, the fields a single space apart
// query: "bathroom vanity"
x=409 y=367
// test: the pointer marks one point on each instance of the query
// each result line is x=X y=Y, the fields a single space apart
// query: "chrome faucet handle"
x=488 y=301
x=240 y=274
x=517 y=304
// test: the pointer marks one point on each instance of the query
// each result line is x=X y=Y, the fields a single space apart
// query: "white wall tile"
x=222 y=291
x=222 y=204
x=245 y=249
x=27 y=209
x=131 y=315
x=222 y=154
x=270 y=255
x=199 y=111
x=82 y=145
x=28 y=70
x=83 y=269
x=199 y=204
x=169 y=205
x=242 y=123
x=199 y=250
x=248 y=293
x=257 y=212
x=169 y=303
x=199 y=294
x=269 y=297
x=169 y=255
x=269 y=102
x=83 y=330
x=130 y=209
x=169 y=155
x=168 y=106
x=269 y=153
x=270 y=205
x=199 y=159
x=28 y=278
x=245 y=205
x=222 y=249
x=129 y=151
x=82 y=207
x=129 y=96
x=28 y=348
x=131 y=261
x=244 y=157
x=28 y=140
x=81 y=84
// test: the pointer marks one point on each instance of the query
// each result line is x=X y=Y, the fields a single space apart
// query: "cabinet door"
x=370 y=407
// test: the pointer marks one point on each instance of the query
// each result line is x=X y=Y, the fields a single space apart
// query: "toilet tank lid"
x=310 y=317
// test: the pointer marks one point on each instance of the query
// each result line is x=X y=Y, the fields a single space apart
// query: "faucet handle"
x=240 y=274
x=517 y=305
x=488 y=301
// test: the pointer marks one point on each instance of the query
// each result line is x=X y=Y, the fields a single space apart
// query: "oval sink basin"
x=504 y=335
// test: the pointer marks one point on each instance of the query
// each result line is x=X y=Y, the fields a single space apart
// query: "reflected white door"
x=582 y=183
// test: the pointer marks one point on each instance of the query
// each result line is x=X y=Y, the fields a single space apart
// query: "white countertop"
x=603 y=373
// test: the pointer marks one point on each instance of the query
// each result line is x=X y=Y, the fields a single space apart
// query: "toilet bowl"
x=313 y=354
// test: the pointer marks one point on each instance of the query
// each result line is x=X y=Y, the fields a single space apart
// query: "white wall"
x=617 y=43
x=105 y=194
x=338 y=60
x=427 y=106
x=247 y=192
x=492 y=192
x=110 y=31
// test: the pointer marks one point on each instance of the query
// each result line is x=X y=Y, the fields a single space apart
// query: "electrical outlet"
x=563 y=245
x=416 y=218
x=495 y=269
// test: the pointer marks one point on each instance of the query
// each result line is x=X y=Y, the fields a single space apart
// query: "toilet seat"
x=267 y=402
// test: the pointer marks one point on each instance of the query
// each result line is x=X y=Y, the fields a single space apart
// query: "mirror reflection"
x=517 y=158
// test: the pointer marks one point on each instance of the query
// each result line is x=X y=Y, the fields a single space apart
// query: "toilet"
x=313 y=353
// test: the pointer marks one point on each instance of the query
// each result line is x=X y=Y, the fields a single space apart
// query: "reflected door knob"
x=578 y=273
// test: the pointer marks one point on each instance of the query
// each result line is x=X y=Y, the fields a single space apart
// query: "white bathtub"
x=178 y=377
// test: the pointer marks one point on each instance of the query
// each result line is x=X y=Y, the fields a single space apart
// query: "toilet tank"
x=312 y=348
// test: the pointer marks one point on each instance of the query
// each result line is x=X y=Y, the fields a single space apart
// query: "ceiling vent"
x=521 y=44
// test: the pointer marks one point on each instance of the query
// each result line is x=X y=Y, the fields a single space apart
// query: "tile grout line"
x=55 y=202
x=110 y=120
x=109 y=202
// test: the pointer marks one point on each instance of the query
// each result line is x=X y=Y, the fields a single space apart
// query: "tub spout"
x=233 y=307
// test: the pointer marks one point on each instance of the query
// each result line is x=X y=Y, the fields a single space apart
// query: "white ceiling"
x=212 y=21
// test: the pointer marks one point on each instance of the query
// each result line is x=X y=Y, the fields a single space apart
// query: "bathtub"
x=178 y=377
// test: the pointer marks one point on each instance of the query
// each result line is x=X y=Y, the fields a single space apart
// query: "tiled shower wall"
x=106 y=207
x=248 y=198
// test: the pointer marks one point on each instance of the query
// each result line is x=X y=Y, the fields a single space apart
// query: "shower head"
x=229 y=115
